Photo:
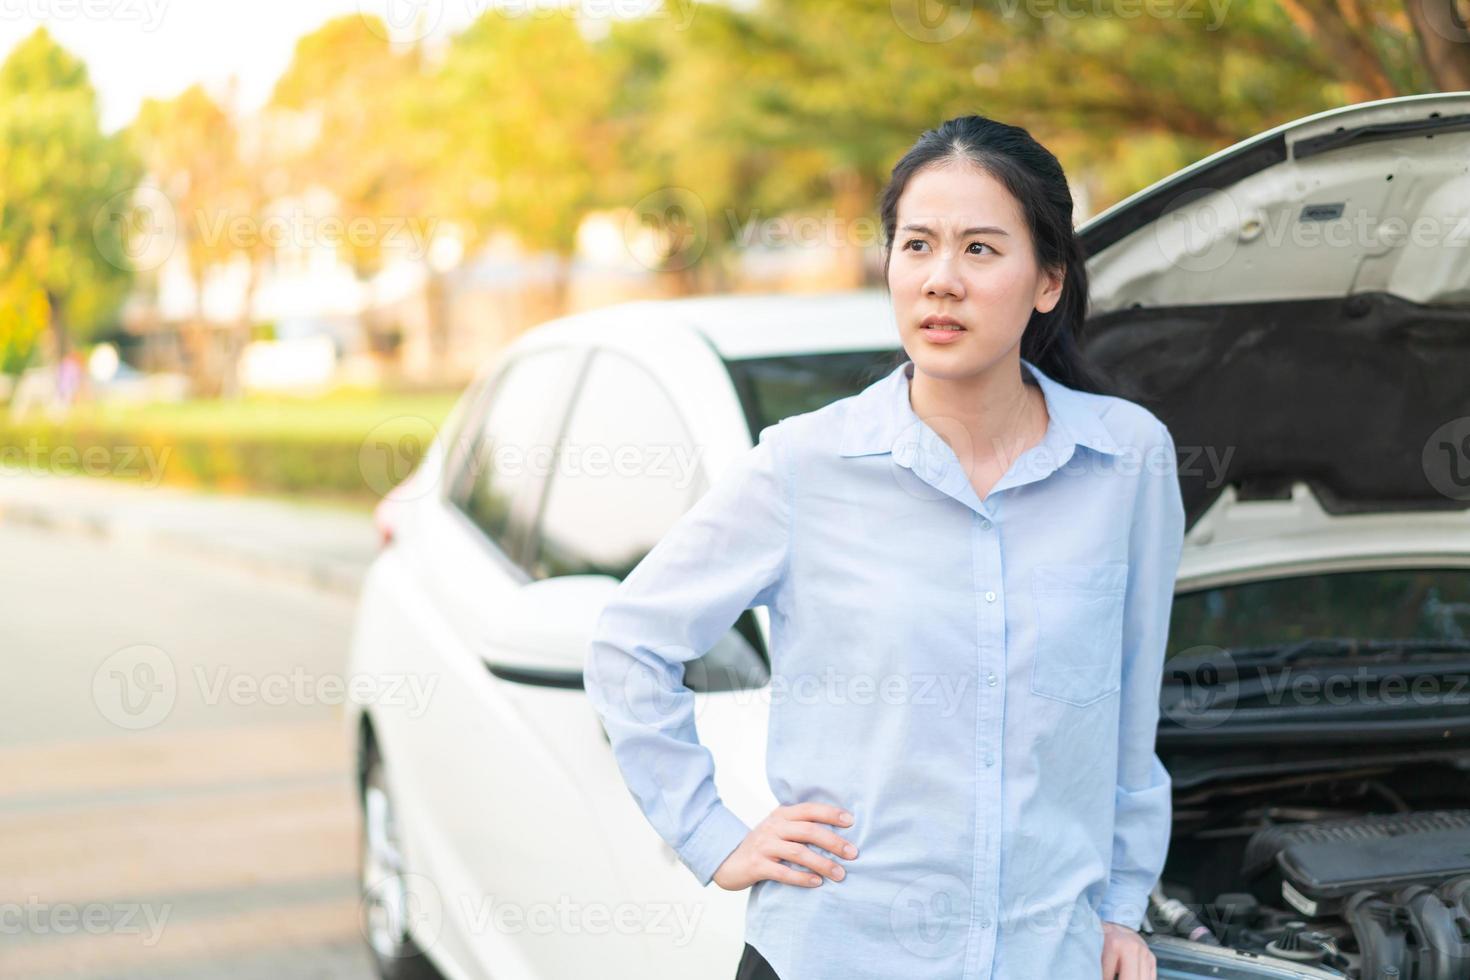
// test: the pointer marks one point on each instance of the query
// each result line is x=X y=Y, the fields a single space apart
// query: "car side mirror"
x=540 y=634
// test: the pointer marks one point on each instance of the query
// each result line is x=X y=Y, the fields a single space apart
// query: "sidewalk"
x=322 y=546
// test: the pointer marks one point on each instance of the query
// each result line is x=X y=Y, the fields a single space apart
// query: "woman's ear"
x=1049 y=292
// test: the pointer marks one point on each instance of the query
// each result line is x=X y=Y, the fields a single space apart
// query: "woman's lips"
x=942 y=333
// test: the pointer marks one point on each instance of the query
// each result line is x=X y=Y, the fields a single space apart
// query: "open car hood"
x=1297 y=308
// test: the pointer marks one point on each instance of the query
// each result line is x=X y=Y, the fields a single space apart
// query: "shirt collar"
x=880 y=419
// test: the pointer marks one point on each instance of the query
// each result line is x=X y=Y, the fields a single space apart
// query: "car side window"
x=460 y=430
x=511 y=451
x=626 y=469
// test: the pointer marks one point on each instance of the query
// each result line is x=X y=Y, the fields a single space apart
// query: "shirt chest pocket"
x=1079 y=630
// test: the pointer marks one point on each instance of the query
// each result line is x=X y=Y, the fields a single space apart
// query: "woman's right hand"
x=784 y=835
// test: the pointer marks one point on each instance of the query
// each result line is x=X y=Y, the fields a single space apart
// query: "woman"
x=969 y=567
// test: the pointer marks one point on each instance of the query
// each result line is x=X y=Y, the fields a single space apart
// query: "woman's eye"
x=919 y=241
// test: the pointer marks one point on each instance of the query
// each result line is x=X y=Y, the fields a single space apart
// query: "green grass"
x=350 y=413
x=349 y=446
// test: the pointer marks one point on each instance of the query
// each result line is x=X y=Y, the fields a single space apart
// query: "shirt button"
x=985 y=923
x=990 y=679
x=989 y=759
x=985 y=524
x=990 y=597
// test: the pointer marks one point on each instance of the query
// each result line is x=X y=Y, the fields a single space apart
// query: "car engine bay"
x=1361 y=873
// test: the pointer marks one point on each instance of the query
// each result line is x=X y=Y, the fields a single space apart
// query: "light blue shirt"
x=977 y=682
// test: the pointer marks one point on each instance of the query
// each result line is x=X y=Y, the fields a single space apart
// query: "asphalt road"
x=176 y=800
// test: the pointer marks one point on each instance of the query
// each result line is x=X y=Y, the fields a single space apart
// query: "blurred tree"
x=816 y=100
x=485 y=139
x=832 y=92
x=351 y=93
x=716 y=123
x=1377 y=49
x=64 y=188
x=257 y=179
x=1129 y=98
x=1443 y=35
x=367 y=130
x=696 y=167
x=190 y=145
x=522 y=103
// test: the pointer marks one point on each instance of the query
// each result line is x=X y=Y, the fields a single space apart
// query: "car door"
x=627 y=468
x=466 y=767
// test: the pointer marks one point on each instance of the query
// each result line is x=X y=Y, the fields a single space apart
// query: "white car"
x=1316 y=390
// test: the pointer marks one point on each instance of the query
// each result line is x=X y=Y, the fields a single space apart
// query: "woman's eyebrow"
x=981 y=230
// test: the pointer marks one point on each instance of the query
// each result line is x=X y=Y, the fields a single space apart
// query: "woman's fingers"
x=815 y=833
x=806 y=857
x=777 y=871
x=1126 y=956
x=1147 y=968
x=817 y=813
x=786 y=832
x=809 y=821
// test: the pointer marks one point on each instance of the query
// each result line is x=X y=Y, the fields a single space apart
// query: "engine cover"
x=1320 y=864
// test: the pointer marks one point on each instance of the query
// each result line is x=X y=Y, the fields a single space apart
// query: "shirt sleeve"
x=1143 y=814
x=728 y=552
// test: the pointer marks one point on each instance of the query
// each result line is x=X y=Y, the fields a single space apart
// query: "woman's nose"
x=942 y=281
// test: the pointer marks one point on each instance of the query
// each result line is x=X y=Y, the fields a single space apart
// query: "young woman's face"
x=961 y=249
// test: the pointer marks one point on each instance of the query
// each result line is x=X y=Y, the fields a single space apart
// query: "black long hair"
x=1033 y=176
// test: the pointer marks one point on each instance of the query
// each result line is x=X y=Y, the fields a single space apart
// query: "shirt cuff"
x=713 y=840
x=1124 y=907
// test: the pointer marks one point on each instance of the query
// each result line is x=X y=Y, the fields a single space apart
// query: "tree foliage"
x=63 y=204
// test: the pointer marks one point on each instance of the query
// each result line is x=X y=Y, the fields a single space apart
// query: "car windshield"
x=1336 y=651
x=773 y=388
x=1382 y=605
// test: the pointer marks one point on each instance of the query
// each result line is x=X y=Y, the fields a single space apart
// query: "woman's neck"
x=990 y=417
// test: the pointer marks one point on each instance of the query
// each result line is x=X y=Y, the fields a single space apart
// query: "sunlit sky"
x=136 y=49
